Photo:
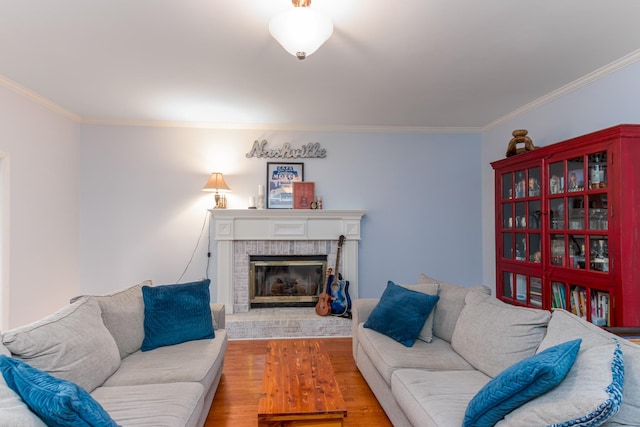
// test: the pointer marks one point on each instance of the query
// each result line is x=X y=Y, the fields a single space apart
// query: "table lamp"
x=216 y=183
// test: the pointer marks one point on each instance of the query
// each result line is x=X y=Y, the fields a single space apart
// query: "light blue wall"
x=142 y=207
x=429 y=196
x=608 y=101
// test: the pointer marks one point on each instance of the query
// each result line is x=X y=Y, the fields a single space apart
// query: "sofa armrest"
x=360 y=311
x=362 y=308
x=218 y=314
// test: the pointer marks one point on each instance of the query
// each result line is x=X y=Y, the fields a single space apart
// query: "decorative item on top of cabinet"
x=520 y=137
x=574 y=241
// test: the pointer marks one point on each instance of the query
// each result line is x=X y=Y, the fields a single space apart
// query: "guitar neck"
x=336 y=270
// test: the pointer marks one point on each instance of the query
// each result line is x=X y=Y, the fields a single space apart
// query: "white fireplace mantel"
x=231 y=225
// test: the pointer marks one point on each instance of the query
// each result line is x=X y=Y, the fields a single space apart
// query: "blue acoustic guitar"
x=340 y=300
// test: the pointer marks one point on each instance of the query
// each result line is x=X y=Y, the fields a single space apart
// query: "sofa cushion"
x=123 y=315
x=492 y=335
x=590 y=395
x=388 y=355
x=449 y=305
x=174 y=314
x=72 y=344
x=56 y=401
x=153 y=405
x=565 y=326
x=520 y=383
x=426 y=333
x=400 y=314
x=13 y=410
x=435 y=398
x=167 y=364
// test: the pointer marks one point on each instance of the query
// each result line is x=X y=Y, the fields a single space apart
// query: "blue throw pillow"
x=400 y=314
x=176 y=313
x=520 y=383
x=56 y=401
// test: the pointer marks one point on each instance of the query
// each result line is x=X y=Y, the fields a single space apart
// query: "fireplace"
x=286 y=281
x=243 y=234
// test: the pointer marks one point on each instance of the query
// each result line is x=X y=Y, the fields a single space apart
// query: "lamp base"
x=221 y=201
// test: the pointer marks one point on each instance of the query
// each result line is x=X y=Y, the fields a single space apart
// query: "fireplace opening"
x=286 y=281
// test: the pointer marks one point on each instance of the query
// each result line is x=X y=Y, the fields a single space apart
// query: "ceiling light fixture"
x=301 y=30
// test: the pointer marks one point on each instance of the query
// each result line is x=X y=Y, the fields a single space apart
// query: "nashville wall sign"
x=311 y=150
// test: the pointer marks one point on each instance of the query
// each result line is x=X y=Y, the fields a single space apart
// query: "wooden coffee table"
x=299 y=387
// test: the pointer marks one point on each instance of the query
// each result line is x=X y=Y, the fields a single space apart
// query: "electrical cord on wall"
x=206 y=216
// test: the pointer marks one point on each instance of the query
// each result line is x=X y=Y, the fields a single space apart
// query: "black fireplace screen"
x=286 y=280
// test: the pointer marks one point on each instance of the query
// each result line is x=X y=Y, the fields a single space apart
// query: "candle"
x=252 y=202
x=260 y=190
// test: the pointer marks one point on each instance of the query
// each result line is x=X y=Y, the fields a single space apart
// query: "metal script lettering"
x=311 y=150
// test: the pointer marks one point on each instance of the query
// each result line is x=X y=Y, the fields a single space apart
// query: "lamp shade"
x=301 y=30
x=216 y=183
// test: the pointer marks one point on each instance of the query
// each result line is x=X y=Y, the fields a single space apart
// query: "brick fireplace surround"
x=240 y=234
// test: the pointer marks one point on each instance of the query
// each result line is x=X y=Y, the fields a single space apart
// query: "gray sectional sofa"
x=475 y=339
x=95 y=343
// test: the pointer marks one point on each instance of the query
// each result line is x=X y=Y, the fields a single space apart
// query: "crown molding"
x=282 y=127
x=38 y=99
x=47 y=103
x=623 y=62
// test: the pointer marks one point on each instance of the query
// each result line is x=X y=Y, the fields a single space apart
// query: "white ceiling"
x=404 y=64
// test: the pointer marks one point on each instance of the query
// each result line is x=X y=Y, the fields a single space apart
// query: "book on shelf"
x=600 y=313
x=536 y=301
x=578 y=301
x=558 y=295
x=535 y=291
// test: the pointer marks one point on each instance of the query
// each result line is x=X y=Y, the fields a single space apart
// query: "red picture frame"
x=303 y=195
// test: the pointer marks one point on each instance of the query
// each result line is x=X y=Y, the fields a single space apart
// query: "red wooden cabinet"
x=568 y=227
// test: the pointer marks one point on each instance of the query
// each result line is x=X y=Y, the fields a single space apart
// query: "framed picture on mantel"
x=280 y=179
x=304 y=195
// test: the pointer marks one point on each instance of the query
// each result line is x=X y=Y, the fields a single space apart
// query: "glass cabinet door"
x=577 y=204
x=521 y=215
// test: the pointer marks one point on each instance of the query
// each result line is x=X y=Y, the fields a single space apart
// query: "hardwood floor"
x=236 y=400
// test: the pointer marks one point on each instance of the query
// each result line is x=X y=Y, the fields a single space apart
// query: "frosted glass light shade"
x=301 y=30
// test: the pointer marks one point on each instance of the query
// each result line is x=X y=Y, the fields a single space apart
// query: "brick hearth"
x=285 y=322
